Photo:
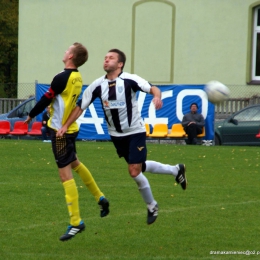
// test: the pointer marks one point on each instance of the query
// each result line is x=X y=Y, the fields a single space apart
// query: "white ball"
x=216 y=91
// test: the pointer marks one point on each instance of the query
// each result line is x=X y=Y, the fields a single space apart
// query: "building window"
x=256 y=46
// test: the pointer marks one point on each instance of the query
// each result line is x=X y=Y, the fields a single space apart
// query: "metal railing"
x=233 y=105
x=222 y=110
x=7 y=104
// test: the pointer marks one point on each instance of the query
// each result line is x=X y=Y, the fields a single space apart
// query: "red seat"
x=5 y=127
x=258 y=135
x=20 y=128
x=36 y=129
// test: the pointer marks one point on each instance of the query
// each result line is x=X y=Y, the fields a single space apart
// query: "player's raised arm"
x=156 y=92
x=75 y=114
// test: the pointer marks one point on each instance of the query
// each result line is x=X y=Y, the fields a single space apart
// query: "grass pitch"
x=216 y=215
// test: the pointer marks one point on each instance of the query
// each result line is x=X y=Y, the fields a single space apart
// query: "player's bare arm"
x=157 y=100
x=75 y=114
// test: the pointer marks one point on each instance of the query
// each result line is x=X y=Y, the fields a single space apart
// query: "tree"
x=8 y=47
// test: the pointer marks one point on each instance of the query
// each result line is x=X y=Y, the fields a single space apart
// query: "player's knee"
x=134 y=169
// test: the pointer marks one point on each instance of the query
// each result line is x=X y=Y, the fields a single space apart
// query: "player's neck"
x=69 y=65
x=113 y=74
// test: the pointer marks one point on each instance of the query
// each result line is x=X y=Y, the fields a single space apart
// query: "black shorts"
x=131 y=147
x=64 y=148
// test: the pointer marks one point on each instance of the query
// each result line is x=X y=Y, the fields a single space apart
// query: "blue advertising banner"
x=176 y=102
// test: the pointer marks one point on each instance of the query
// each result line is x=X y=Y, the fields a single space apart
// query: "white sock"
x=145 y=189
x=160 y=168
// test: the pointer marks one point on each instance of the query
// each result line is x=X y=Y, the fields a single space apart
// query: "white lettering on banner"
x=191 y=92
x=94 y=119
x=152 y=119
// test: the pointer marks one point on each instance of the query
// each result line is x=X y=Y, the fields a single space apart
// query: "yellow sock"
x=89 y=181
x=71 y=196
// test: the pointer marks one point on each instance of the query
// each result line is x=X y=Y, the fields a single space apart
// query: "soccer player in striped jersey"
x=62 y=96
x=117 y=92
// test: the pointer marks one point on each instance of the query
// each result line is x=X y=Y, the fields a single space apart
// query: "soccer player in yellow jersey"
x=62 y=97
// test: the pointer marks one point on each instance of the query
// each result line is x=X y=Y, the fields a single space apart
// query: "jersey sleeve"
x=88 y=96
x=58 y=84
x=141 y=84
x=40 y=106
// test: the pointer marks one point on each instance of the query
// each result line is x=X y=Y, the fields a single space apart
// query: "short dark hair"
x=121 y=56
x=195 y=104
x=80 y=54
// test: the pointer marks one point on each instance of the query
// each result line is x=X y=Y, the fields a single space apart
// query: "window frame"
x=256 y=31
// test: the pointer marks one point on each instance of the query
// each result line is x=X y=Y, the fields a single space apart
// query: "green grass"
x=219 y=211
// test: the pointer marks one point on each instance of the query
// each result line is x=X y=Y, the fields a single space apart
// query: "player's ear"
x=120 y=64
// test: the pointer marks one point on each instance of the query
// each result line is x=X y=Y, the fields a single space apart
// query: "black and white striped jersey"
x=118 y=98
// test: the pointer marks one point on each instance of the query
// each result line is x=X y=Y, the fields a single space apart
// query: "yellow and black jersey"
x=62 y=97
